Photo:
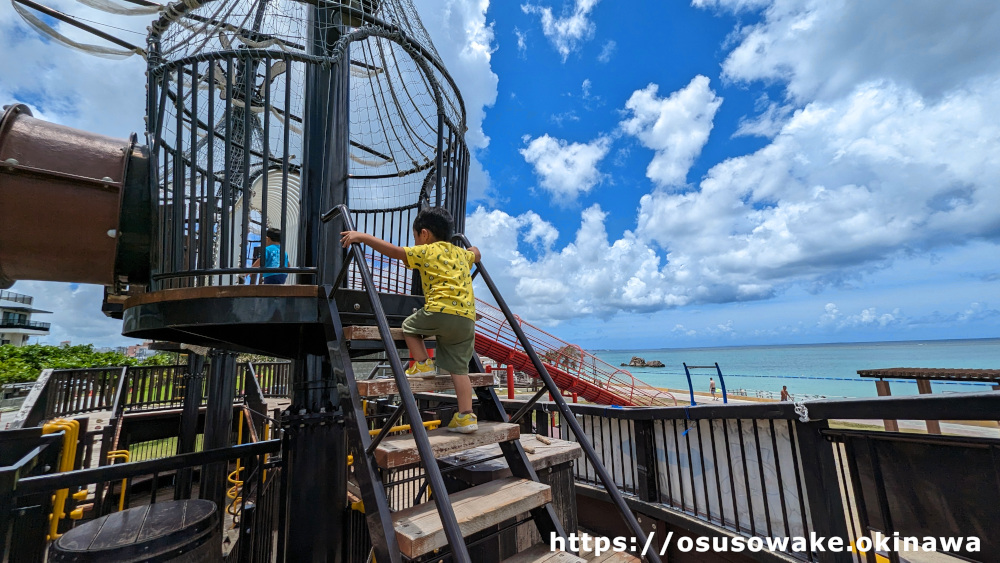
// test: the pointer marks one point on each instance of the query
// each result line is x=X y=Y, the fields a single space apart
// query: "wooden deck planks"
x=419 y=529
x=371 y=332
x=400 y=451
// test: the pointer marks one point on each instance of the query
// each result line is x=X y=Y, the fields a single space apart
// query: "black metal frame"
x=817 y=466
x=550 y=386
x=376 y=504
x=28 y=486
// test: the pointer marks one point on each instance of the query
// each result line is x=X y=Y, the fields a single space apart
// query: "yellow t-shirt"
x=445 y=276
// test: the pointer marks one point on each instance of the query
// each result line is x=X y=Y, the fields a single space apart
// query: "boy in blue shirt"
x=271 y=252
x=449 y=311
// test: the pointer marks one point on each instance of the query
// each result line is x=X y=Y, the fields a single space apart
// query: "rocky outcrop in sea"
x=638 y=362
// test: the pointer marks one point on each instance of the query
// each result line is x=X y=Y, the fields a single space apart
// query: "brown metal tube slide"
x=61 y=199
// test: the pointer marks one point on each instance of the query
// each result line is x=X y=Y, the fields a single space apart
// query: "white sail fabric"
x=97 y=50
x=114 y=8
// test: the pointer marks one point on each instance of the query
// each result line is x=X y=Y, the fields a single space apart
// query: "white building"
x=16 y=326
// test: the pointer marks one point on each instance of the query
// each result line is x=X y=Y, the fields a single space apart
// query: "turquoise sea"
x=813 y=369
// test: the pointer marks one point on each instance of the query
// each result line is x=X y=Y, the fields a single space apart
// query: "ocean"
x=813 y=369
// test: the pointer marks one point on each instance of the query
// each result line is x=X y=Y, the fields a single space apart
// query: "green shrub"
x=25 y=363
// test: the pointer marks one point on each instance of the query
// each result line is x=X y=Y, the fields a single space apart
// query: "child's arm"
x=475 y=251
x=348 y=238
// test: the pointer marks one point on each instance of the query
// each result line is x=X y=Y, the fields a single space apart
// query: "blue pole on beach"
x=722 y=382
x=690 y=385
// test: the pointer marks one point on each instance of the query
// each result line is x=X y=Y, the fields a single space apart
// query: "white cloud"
x=589 y=276
x=568 y=32
x=566 y=170
x=843 y=191
x=843 y=186
x=676 y=127
x=866 y=318
x=59 y=83
x=607 y=51
x=76 y=314
x=563 y=117
x=522 y=42
x=821 y=49
x=731 y=5
x=465 y=42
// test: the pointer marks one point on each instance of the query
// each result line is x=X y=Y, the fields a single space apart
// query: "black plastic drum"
x=183 y=531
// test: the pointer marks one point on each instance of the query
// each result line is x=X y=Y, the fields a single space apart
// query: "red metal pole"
x=574 y=397
x=510 y=381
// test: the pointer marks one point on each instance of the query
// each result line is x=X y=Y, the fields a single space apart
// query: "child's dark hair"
x=437 y=220
x=274 y=234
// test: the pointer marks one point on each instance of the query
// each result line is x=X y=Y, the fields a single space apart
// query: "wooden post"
x=645 y=459
x=883 y=391
x=924 y=387
x=826 y=507
x=997 y=388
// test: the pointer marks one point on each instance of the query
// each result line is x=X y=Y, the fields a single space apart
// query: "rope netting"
x=233 y=99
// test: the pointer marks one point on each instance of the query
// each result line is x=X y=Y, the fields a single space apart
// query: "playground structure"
x=318 y=117
x=312 y=119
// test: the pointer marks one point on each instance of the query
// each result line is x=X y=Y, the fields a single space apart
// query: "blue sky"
x=720 y=172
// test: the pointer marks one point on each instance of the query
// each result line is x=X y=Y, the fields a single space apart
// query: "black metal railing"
x=79 y=391
x=259 y=510
x=33 y=325
x=25 y=454
x=768 y=470
x=407 y=405
x=153 y=387
x=590 y=454
x=144 y=482
x=72 y=392
x=224 y=185
x=15 y=297
x=275 y=378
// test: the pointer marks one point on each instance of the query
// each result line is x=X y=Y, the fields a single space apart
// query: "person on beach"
x=711 y=386
x=449 y=311
x=784 y=393
x=271 y=252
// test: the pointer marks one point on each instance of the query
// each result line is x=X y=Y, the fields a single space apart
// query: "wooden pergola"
x=924 y=376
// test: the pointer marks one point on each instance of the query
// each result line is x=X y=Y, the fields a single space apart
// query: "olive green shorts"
x=455 y=336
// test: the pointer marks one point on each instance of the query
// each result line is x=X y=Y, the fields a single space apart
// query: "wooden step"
x=541 y=553
x=401 y=450
x=387 y=385
x=370 y=332
x=419 y=529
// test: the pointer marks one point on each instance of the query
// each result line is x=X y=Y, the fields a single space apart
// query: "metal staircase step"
x=400 y=451
x=387 y=386
x=419 y=530
x=541 y=553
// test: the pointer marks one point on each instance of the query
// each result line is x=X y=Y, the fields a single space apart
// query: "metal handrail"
x=445 y=510
x=16 y=297
x=564 y=410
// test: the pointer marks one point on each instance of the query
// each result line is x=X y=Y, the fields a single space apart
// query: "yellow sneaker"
x=463 y=423
x=422 y=369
